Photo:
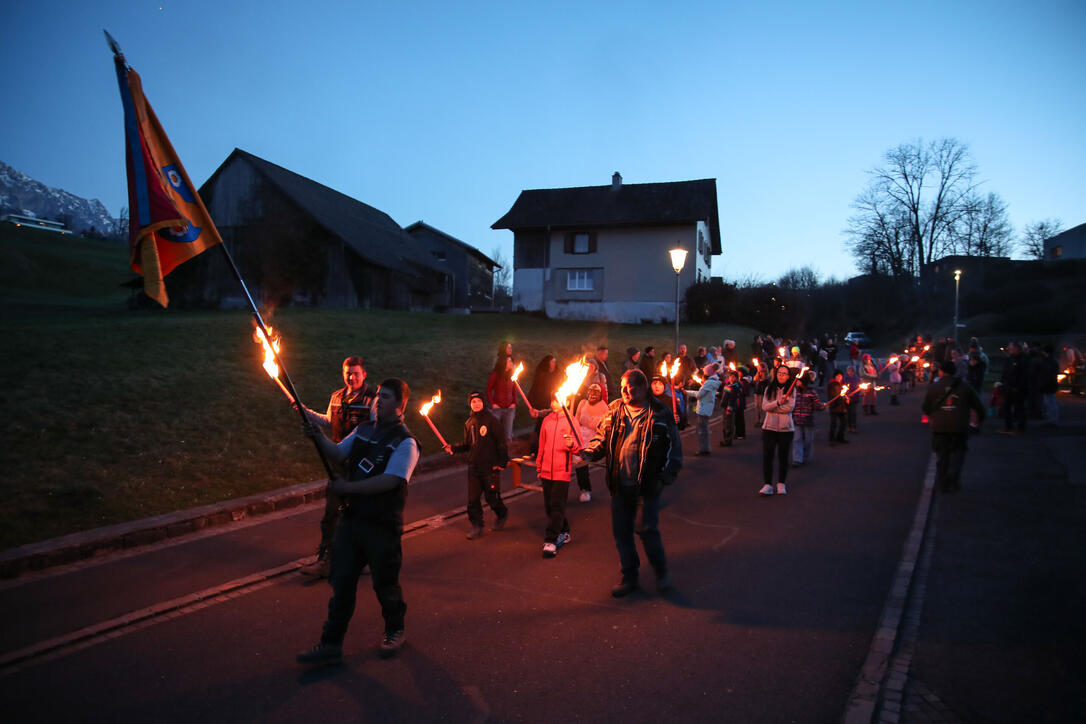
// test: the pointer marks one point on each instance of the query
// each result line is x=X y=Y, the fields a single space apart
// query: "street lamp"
x=678 y=259
x=957 y=282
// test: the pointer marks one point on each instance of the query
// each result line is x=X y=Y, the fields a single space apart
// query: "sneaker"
x=766 y=489
x=550 y=550
x=563 y=538
x=781 y=490
x=625 y=587
x=321 y=655
x=500 y=522
x=320 y=567
x=391 y=643
x=586 y=496
x=476 y=532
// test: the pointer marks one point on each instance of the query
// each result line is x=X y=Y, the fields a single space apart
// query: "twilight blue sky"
x=444 y=111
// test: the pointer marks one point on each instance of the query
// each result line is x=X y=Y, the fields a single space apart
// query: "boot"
x=320 y=567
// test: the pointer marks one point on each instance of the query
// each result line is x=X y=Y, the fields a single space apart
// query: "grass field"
x=112 y=415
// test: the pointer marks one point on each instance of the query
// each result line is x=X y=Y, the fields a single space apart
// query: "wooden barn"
x=471 y=271
x=298 y=242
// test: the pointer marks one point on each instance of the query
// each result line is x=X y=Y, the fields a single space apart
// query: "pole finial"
x=113 y=45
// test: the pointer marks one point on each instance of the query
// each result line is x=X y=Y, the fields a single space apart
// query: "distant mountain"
x=20 y=194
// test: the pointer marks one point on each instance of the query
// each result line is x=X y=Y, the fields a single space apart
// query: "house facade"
x=1070 y=244
x=471 y=272
x=601 y=252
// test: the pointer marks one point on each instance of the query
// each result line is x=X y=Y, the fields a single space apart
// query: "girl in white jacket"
x=778 y=401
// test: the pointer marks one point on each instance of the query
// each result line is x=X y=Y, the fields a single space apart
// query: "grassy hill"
x=111 y=415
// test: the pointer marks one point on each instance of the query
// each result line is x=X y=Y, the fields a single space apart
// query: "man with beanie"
x=947 y=404
x=487 y=449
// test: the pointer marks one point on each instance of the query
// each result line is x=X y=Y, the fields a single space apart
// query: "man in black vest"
x=380 y=457
x=348 y=407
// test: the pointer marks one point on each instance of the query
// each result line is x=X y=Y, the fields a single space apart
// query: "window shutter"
x=592 y=243
x=568 y=248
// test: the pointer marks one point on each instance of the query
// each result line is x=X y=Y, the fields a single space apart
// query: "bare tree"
x=802 y=279
x=983 y=228
x=1032 y=242
x=879 y=236
x=502 y=274
x=921 y=190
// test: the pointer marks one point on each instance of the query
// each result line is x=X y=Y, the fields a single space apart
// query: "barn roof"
x=370 y=232
x=466 y=246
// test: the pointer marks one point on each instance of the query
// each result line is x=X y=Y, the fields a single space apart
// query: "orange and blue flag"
x=168 y=223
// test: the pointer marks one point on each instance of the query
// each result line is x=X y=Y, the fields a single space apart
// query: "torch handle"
x=569 y=419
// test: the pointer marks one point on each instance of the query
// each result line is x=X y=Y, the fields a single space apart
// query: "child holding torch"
x=837 y=399
x=488 y=453
x=777 y=431
x=553 y=463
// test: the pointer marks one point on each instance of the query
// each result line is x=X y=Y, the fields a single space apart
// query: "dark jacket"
x=838 y=405
x=947 y=405
x=1015 y=376
x=369 y=456
x=484 y=442
x=661 y=453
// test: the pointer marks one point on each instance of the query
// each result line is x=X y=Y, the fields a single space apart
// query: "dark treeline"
x=995 y=298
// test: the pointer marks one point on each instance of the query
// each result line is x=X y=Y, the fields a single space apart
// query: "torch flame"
x=575 y=374
x=435 y=400
x=675 y=367
x=663 y=369
x=914 y=358
x=270 y=350
x=697 y=378
x=731 y=366
x=927 y=347
x=892 y=360
x=865 y=385
x=755 y=361
x=783 y=352
x=517 y=371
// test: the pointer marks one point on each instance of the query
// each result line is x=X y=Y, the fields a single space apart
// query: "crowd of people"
x=630 y=426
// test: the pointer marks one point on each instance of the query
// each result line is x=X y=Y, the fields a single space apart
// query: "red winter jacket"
x=554 y=460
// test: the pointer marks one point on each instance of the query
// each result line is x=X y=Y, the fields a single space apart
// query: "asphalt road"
x=775 y=607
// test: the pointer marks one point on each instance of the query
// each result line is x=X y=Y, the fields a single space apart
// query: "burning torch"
x=575 y=374
x=425 y=411
x=516 y=374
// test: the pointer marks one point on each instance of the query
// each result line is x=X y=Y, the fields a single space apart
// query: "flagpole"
x=259 y=321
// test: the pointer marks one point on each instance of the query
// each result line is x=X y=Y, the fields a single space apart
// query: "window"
x=1057 y=251
x=580 y=242
x=440 y=255
x=579 y=280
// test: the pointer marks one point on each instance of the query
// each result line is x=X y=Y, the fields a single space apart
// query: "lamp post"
x=957 y=282
x=678 y=259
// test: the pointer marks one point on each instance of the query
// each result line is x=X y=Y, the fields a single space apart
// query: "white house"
x=601 y=252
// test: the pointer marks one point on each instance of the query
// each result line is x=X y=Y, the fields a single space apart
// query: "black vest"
x=370 y=452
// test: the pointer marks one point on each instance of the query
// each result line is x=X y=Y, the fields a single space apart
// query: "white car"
x=859 y=338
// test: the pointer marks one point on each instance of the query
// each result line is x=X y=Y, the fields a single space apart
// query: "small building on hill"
x=601 y=252
x=471 y=272
x=1070 y=244
x=301 y=243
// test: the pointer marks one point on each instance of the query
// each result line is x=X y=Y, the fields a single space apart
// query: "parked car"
x=859 y=338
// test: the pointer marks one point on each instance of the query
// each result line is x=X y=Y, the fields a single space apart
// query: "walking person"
x=706 y=403
x=852 y=383
x=948 y=404
x=348 y=406
x=501 y=392
x=893 y=371
x=643 y=453
x=869 y=374
x=488 y=453
x=1015 y=381
x=553 y=464
x=807 y=403
x=380 y=457
x=589 y=413
x=778 y=430
x=730 y=394
x=837 y=399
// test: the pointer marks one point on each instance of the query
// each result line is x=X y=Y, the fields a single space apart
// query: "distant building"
x=601 y=252
x=299 y=242
x=35 y=222
x=1070 y=244
x=471 y=272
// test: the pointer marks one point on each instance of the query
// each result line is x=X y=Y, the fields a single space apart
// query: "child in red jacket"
x=553 y=463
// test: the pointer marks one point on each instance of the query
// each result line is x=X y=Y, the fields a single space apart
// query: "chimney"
x=616 y=181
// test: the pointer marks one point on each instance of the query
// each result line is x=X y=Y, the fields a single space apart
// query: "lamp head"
x=678 y=258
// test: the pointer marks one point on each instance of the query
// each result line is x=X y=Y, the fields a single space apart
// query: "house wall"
x=632 y=278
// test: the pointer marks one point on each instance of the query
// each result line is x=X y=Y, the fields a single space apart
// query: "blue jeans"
x=633 y=513
x=803 y=444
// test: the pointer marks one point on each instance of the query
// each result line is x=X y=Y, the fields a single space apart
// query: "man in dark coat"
x=948 y=403
x=1015 y=381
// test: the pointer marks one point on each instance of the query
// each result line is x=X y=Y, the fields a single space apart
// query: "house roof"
x=466 y=246
x=656 y=204
x=369 y=232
